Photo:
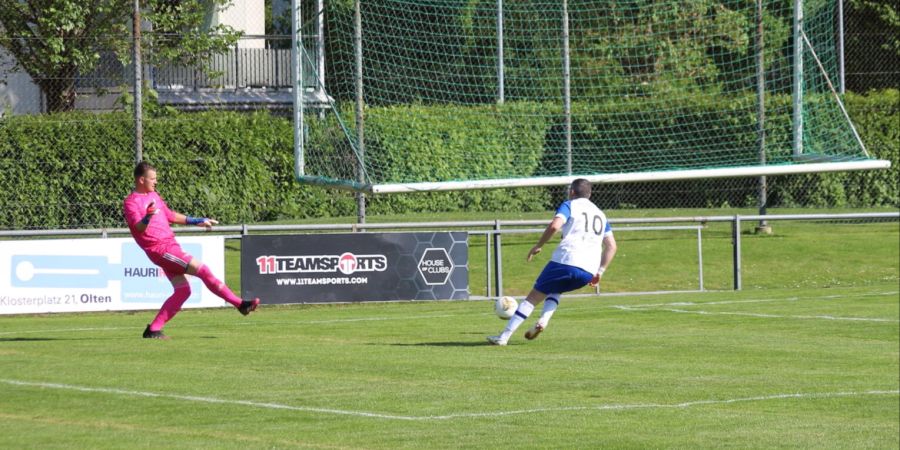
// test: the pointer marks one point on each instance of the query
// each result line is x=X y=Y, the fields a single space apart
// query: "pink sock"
x=217 y=287
x=171 y=306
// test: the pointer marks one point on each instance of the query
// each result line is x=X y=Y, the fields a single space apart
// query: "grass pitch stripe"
x=628 y=308
x=238 y=324
x=612 y=407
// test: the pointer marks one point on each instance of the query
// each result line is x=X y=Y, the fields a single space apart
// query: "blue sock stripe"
x=519 y=313
x=551 y=299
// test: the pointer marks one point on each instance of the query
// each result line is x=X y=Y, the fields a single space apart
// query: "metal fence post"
x=138 y=84
x=487 y=263
x=763 y=227
x=736 y=244
x=840 y=44
x=700 y=254
x=320 y=47
x=797 y=84
x=297 y=85
x=500 y=75
x=360 y=110
x=567 y=89
x=498 y=260
x=237 y=65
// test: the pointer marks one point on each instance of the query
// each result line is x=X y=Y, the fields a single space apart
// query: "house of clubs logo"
x=435 y=266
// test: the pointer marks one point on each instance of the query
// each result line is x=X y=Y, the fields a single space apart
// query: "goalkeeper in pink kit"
x=148 y=218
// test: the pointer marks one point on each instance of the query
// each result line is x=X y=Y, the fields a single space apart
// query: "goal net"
x=449 y=94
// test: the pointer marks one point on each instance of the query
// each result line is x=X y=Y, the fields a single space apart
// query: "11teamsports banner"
x=112 y=274
x=355 y=267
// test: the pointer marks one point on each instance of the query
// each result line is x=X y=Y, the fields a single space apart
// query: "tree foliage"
x=873 y=43
x=56 y=40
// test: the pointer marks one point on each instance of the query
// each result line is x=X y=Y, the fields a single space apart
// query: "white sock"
x=550 y=305
x=522 y=313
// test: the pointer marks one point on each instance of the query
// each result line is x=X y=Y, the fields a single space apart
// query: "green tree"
x=873 y=44
x=55 y=40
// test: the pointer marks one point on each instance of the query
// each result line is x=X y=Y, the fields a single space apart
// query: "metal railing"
x=255 y=62
x=493 y=232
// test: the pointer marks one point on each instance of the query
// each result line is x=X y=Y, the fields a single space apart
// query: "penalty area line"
x=374 y=415
x=758 y=300
x=758 y=315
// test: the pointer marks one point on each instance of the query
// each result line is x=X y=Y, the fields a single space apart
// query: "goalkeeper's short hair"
x=142 y=168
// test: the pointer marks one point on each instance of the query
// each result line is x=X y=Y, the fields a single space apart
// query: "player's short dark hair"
x=581 y=187
x=142 y=168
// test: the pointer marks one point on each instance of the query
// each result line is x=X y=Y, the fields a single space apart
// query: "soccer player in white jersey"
x=585 y=252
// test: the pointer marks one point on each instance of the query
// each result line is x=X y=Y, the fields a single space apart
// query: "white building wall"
x=248 y=16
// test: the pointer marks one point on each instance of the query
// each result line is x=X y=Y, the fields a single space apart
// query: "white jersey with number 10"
x=582 y=234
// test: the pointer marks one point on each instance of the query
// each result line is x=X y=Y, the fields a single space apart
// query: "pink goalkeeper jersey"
x=158 y=233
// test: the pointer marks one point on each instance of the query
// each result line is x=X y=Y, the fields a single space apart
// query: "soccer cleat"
x=248 y=306
x=154 y=334
x=534 y=331
x=496 y=340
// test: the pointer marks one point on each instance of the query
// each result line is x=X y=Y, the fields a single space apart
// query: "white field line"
x=760 y=315
x=663 y=307
x=632 y=308
x=762 y=300
x=374 y=415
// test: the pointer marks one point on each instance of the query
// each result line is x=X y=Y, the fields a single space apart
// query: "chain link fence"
x=197 y=97
x=872 y=62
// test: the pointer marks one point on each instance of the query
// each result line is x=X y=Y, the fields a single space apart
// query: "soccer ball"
x=505 y=307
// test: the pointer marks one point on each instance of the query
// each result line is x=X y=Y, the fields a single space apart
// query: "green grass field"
x=807 y=355
x=774 y=368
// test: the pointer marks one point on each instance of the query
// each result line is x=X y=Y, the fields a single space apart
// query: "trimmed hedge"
x=876 y=117
x=73 y=170
x=621 y=136
x=414 y=143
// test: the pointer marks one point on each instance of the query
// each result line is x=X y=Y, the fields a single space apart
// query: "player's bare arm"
x=609 y=251
x=555 y=225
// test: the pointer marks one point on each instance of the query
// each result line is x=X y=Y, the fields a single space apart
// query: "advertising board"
x=353 y=267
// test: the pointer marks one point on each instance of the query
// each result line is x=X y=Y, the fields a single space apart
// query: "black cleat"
x=154 y=334
x=248 y=306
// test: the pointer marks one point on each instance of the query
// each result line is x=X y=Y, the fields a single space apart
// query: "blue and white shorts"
x=557 y=278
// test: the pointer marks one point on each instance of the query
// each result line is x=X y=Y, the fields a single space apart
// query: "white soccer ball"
x=505 y=307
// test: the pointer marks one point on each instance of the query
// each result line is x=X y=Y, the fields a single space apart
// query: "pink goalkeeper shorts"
x=171 y=259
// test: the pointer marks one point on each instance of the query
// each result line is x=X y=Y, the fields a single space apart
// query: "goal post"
x=733 y=172
x=481 y=94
